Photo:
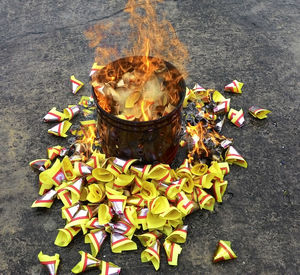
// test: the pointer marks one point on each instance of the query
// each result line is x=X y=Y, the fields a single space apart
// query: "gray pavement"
x=256 y=42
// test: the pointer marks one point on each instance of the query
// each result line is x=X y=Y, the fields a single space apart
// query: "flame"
x=197 y=133
x=149 y=34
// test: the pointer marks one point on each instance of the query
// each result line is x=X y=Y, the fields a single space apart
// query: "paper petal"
x=87 y=261
x=172 y=251
x=234 y=87
x=95 y=238
x=60 y=129
x=258 y=112
x=121 y=243
x=152 y=254
x=53 y=116
x=76 y=84
x=51 y=262
x=224 y=252
x=233 y=157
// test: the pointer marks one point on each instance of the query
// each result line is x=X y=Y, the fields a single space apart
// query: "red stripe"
x=67 y=197
x=73 y=187
x=106 y=268
x=85 y=261
x=114 y=168
x=69 y=233
x=95 y=239
x=187 y=205
x=240 y=118
x=231 y=256
x=59 y=127
x=206 y=196
x=122 y=240
x=79 y=168
x=237 y=89
x=90 y=211
x=50 y=113
x=75 y=82
x=150 y=248
x=48 y=262
x=165 y=177
x=171 y=252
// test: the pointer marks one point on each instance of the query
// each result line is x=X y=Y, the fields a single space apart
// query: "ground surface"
x=257 y=42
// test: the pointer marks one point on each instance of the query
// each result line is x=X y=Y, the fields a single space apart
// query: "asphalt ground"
x=256 y=42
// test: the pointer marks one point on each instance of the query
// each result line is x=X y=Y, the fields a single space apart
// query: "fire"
x=150 y=35
x=197 y=133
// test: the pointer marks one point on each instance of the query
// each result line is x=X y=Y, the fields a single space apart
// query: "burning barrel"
x=139 y=102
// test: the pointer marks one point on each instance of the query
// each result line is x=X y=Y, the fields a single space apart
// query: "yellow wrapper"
x=121 y=243
x=258 y=112
x=224 y=252
x=234 y=87
x=136 y=200
x=53 y=115
x=96 y=192
x=116 y=171
x=84 y=214
x=123 y=181
x=233 y=157
x=96 y=159
x=94 y=69
x=102 y=174
x=199 y=169
x=76 y=84
x=215 y=169
x=236 y=117
x=149 y=239
x=124 y=164
x=152 y=254
x=218 y=97
x=54 y=152
x=219 y=188
x=68 y=168
x=172 y=251
x=137 y=186
x=118 y=203
x=46 y=200
x=40 y=164
x=142 y=217
x=189 y=95
x=159 y=205
x=154 y=221
x=60 y=129
x=184 y=204
x=224 y=167
x=205 y=200
x=52 y=176
x=172 y=213
x=178 y=235
x=75 y=190
x=69 y=212
x=71 y=111
x=64 y=195
x=95 y=238
x=105 y=214
x=131 y=215
x=66 y=235
x=108 y=268
x=148 y=191
x=85 y=101
x=51 y=262
x=87 y=261
x=158 y=172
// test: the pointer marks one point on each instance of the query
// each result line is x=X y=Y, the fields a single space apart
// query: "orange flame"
x=197 y=133
x=150 y=34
